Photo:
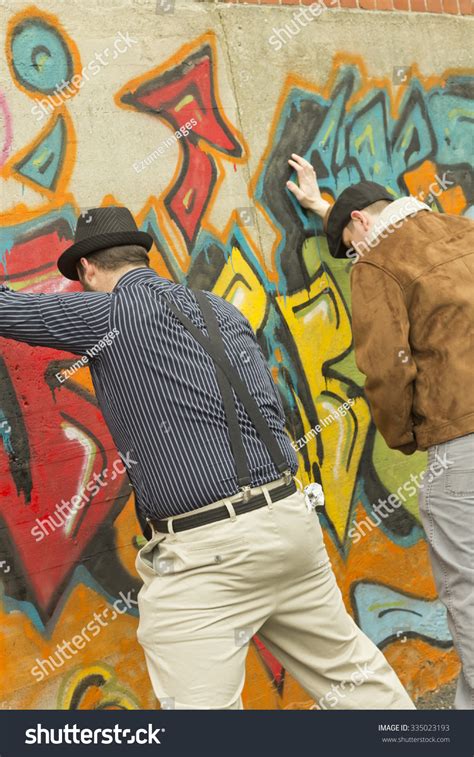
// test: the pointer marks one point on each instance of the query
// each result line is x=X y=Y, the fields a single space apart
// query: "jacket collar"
x=397 y=211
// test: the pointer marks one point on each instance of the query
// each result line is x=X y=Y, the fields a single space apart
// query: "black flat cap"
x=356 y=197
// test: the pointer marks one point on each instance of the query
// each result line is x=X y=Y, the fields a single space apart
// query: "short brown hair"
x=114 y=258
x=376 y=207
x=373 y=210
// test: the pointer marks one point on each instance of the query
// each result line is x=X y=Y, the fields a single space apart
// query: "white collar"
x=396 y=211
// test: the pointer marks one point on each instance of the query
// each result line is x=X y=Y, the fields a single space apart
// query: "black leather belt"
x=219 y=513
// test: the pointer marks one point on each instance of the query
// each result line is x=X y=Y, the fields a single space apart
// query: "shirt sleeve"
x=380 y=327
x=73 y=322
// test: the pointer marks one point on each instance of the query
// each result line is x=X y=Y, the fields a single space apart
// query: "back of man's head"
x=366 y=197
x=100 y=270
x=115 y=258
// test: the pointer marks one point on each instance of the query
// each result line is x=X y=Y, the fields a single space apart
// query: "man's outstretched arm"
x=73 y=322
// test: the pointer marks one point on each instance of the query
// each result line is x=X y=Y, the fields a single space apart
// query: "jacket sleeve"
x=73 y=321
x=380 y=329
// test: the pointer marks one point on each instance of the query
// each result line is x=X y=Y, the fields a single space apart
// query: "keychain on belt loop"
x=314 y=497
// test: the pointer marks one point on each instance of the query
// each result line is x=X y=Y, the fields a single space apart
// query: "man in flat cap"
x=412 y=284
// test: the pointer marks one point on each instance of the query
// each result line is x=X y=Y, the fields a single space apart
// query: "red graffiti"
x=274 y=668
x=185 y=94
x=57 y=441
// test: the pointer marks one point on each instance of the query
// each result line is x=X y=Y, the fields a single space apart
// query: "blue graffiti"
x=5 y=433
x=386 y=615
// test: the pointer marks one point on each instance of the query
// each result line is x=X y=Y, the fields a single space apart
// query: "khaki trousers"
x=208 y=590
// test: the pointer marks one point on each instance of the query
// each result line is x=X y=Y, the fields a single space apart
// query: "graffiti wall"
x=213 y=196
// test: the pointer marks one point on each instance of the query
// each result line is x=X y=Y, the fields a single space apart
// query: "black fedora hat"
x=356 y=197
x=97 y=229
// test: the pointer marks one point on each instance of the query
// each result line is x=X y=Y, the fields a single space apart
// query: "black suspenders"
x=236 y=443
x=228 y=379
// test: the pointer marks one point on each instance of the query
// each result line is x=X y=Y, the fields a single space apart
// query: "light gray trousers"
x=447 y=513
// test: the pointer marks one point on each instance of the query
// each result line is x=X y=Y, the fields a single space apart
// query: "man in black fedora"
x=193 y=410
x=412 y=289
x=103 y=230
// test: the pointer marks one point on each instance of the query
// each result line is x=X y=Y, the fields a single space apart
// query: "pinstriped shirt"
x=157 y=387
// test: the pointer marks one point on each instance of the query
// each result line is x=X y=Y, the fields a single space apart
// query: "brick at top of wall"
x=452 y=7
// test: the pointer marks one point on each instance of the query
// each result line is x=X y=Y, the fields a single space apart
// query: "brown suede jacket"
x=413 y=329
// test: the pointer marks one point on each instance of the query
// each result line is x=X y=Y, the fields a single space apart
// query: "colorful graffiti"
x=297 y=299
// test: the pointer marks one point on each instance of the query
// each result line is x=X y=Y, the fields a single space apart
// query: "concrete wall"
x=363 y=94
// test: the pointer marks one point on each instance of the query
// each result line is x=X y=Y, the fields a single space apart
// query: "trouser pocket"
x=146 y=557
